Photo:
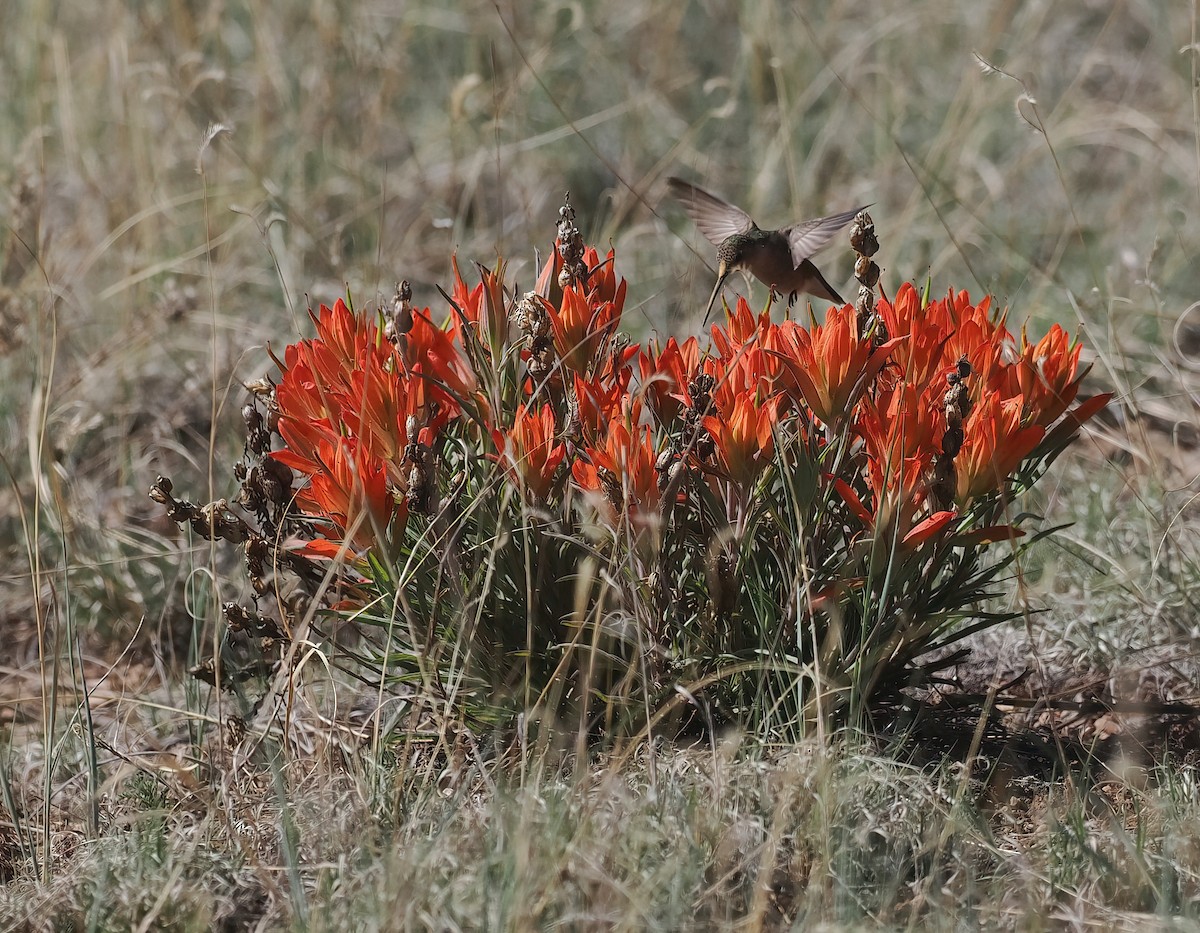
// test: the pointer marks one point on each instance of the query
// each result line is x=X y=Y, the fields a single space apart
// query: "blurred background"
x=182 y=178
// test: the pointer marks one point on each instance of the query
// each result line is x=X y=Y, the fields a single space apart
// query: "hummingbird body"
x=777 y=258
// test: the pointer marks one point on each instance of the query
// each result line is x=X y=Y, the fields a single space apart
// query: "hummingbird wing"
x=807 y=237
x=718 y=220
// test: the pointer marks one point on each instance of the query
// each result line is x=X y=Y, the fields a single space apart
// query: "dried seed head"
x=541 y=365
x=956 y=405
x=238 y=618
x=235 y=731
x=671 y=471
x=261 y=389
x=422 y=485
x=530 y=316
x=865 y=244
x=541 y=360
x=700 y=392
x=616 y=350
x=258 y=555
x=864 y=313
x=611 y=485
x=258 y=433
x=862 y=235
x=277 y=481
x=223 y=523
x=572 y=426
x=241 y=619
x=676 y=474
x=570 y=247
x=205 y=671
x=400 y=318
x=944 y=482
x=957 y=397
x=866 y=272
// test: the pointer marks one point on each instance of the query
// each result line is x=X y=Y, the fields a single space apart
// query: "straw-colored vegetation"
x=183 y=179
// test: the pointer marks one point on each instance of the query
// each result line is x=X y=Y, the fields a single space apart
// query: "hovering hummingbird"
x=777 y=258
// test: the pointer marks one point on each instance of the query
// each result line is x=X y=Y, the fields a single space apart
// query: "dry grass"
x=144 y=266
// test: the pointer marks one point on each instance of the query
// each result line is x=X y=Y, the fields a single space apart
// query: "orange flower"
x=749 y=372
x=743 y=435
x=342 y=333
x=829 y=365
x=436 y=367
x=927 y=529
x=320 y=393
x=349 y=486
x=994 y=445
x=581 y=323
x=602 y=402
x=1047 y=375
x=346 y=409
x=940 y=333
x=483 y=306
x=921 y=355
x=588 y=313
x=987 y=345
x=528 y=452
x=900 y=434
x=898 y=507
x=621 y=475
x=603 y=283
x=741 y=328
x=316 y=373
x=383 y=404
x=665 y=374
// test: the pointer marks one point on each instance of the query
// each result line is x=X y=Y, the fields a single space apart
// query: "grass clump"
x=528 y=514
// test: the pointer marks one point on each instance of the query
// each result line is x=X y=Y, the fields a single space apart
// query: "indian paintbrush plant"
x=523 y=516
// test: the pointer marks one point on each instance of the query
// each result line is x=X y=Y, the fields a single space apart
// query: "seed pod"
x=866 y=271
x=862 y=235
x=400 y=320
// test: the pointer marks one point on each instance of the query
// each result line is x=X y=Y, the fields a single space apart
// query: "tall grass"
x=367 y=143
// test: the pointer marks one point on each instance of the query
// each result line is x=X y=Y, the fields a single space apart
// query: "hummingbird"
x=777 y=258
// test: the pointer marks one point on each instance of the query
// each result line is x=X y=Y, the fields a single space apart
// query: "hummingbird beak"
x=722 y=274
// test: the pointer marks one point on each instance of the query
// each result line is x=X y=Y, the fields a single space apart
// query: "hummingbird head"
x=731 y=256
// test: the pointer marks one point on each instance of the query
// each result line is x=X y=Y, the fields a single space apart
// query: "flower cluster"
x=621 y=423
x=773 y=453
x=356 y=414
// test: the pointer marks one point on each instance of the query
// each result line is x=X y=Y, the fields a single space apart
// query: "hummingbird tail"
x=819 y=287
